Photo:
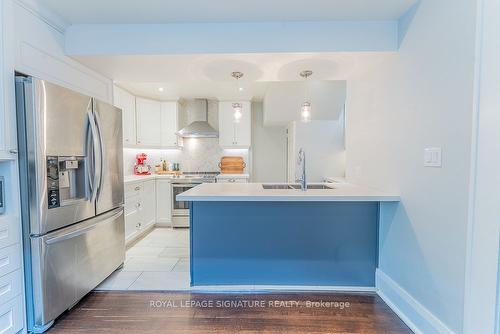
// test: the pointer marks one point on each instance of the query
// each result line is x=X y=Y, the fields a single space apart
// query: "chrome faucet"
x=302 y=163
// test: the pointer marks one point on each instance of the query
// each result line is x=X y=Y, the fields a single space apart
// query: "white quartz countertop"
x=255 y=192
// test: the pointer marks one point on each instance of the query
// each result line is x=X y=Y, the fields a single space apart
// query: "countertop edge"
x=297 y=198
x=141 y=178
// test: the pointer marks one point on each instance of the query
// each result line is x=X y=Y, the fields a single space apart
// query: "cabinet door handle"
x=137 y=188
x=13 y=151
x=232 y=180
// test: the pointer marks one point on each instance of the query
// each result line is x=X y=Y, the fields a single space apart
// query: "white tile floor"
x=159 y=261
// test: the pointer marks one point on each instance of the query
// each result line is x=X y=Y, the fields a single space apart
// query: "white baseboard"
x=277 y=288
x=136 y=238
x=415 y=315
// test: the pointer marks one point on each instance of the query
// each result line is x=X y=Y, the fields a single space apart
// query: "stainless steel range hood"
x=199 y=129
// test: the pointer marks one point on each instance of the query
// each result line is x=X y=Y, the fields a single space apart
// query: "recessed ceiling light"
x=160 y=89
x=240 y=89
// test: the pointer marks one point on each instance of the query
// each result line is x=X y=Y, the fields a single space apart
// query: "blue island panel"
x=284 y=243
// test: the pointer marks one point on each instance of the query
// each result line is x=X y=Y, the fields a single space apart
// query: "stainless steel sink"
x=296 y=186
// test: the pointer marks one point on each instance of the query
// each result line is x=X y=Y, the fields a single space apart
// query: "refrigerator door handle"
x=93 y=148
x=102 y=152
x=81 y=231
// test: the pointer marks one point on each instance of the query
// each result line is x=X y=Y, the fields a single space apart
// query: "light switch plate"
x=432 y=157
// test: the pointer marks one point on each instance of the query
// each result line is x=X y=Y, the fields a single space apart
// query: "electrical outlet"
x=432 y=157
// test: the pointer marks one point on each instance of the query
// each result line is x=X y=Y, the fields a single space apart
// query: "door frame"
x=481 y=294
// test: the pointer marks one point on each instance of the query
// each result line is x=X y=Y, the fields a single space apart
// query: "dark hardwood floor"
x=152 y=312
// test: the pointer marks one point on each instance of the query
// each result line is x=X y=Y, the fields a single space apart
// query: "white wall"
x=323 y=144
x=421 y=97
x=283 y=100
x=268 y=149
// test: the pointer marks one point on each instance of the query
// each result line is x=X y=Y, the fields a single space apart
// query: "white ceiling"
x=191 y=90
x=209 y=75
x=166 y=11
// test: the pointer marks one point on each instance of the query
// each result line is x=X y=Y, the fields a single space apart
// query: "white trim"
x=278 y=288
x=469 y=254
x=131 y=241
x=482 y=257
x=46 y=15
x=415 y=315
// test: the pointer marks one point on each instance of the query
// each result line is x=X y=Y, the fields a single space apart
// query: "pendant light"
x=305 y=109
x=237 y=107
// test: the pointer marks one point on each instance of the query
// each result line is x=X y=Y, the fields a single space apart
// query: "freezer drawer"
x=69 y=263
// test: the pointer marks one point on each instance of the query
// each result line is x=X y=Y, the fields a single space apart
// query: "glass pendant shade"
x=237 y=112
x=305 y=112
x=305 y=109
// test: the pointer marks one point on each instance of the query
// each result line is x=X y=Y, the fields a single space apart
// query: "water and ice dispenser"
x=66 y=180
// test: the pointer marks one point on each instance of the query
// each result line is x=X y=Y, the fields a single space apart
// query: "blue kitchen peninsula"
x=244 y=234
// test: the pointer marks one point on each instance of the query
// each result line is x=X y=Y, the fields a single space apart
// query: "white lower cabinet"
x=140 y=207
x=11 y=285
x=148 y=207
x=163 y=202
x=11 y=316
x=10 y=259
x=132 y=220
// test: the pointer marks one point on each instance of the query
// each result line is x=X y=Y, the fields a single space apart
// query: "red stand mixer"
x=140 y=167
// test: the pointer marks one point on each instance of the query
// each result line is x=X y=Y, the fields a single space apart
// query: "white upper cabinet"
x=126 y=102
x=231 y=134
x=169 y=124
x=148 y=115
x=148 y=123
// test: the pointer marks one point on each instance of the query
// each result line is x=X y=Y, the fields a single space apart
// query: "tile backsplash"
x=197 y=155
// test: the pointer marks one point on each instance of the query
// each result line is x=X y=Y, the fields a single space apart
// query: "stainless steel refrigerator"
x=71 y=177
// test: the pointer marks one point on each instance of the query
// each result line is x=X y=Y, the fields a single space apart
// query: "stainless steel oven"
x=180 y=209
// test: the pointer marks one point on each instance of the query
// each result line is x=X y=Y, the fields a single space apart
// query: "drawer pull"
x=137 y=188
